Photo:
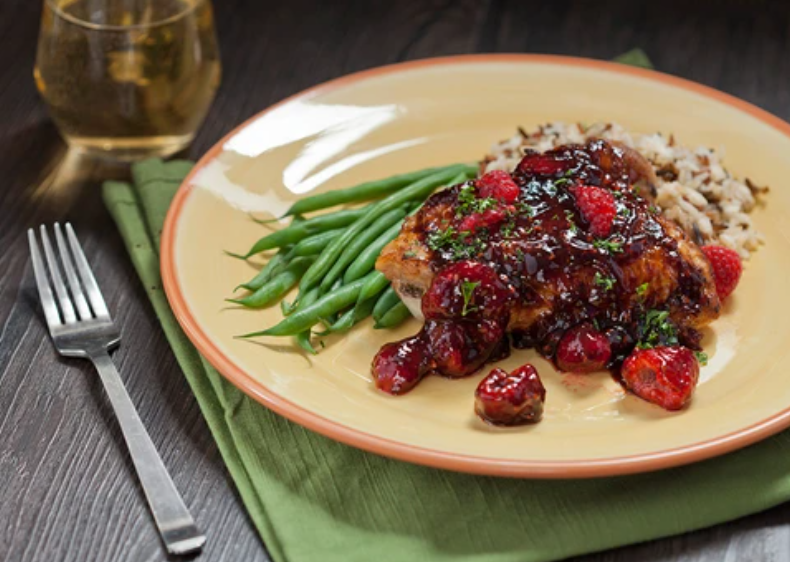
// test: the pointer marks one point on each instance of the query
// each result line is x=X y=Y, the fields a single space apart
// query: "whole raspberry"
x=486 y=219
x=511 y=399
x=596 y=205
x=665 y=376
x=727 y=268
x=583 y=349
x=498 y=185
x=467 y=290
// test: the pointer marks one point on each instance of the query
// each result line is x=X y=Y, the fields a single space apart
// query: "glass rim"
x=191 y=7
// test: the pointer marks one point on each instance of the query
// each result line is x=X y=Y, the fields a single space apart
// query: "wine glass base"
x=129 y=149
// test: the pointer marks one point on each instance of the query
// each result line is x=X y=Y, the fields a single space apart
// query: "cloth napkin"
x=313 y=499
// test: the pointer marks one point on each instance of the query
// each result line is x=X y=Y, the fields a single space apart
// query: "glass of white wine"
x=127 y=79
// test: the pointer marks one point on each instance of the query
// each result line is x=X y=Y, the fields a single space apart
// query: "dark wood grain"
x=67 y=489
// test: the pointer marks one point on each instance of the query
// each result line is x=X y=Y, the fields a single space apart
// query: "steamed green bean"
x=277 y=287
x=365 y=239
x=362 y=192
x=310 y=315
x=393 y=316
x=295 y=233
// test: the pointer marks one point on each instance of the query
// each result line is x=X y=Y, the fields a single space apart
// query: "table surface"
x=68 y=487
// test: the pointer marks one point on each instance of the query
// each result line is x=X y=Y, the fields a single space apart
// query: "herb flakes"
x=467 y=290
x=606 y=283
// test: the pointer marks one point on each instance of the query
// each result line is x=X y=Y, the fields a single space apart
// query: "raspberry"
x=583 y=350
x=486 y=219
x=536 y=164
x=511 y=399
x=498 y=185
x=596 y=205
x=727 y=268
x=665 y=376
x=467 y=290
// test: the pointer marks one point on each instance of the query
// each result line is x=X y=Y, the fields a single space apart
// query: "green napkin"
x=313 y=499
x=635 y=57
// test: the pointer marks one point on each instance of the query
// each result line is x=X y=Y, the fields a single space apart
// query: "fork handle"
x=175 y=524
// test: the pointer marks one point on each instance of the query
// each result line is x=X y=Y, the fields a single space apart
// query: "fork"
x=81 y=326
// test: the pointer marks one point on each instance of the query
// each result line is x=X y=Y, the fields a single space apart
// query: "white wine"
x=128 y=78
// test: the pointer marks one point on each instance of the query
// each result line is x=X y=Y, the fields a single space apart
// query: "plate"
x=409 y=116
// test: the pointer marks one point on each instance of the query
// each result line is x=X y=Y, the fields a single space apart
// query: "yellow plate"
x=408 y=116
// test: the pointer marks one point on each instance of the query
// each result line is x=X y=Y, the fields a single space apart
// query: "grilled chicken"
x=575 y=242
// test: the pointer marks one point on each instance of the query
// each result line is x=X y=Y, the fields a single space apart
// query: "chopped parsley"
x=657 y=329
x=642 y=289
x=525 y=208
x=653 y=209
x=610 y=245
x=409 y=254
x=459 y=245
x=467 y=290
x=606 y=283
x=571 y=225
x=441 y=238
x=469 y=203
x=507 y=229
x=702 y=357
x=624 y=211
x=561 y=181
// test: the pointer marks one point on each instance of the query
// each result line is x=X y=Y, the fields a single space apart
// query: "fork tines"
x=79 y=298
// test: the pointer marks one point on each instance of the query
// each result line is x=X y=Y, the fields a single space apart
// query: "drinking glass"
x=127 y=79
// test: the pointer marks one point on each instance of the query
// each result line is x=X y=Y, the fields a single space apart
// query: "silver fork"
x=81 y=326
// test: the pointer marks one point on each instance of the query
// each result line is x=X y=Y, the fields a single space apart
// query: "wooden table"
x=67 y=488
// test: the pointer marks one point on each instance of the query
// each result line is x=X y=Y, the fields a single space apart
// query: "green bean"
x=418 y=190
x=366 y=259
x=364 y=240
x=303 y=337
x=387 y=300
x=343 y=324
x=310 y=315
x=330 y=318
x=393 y=316
x=376 y=282
x=276 y=287
x=288 y=308
x=296 y=219
x=362 y=192
x=272 y=268
x=313 y=245
x=353 y=316
x=296 y=232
